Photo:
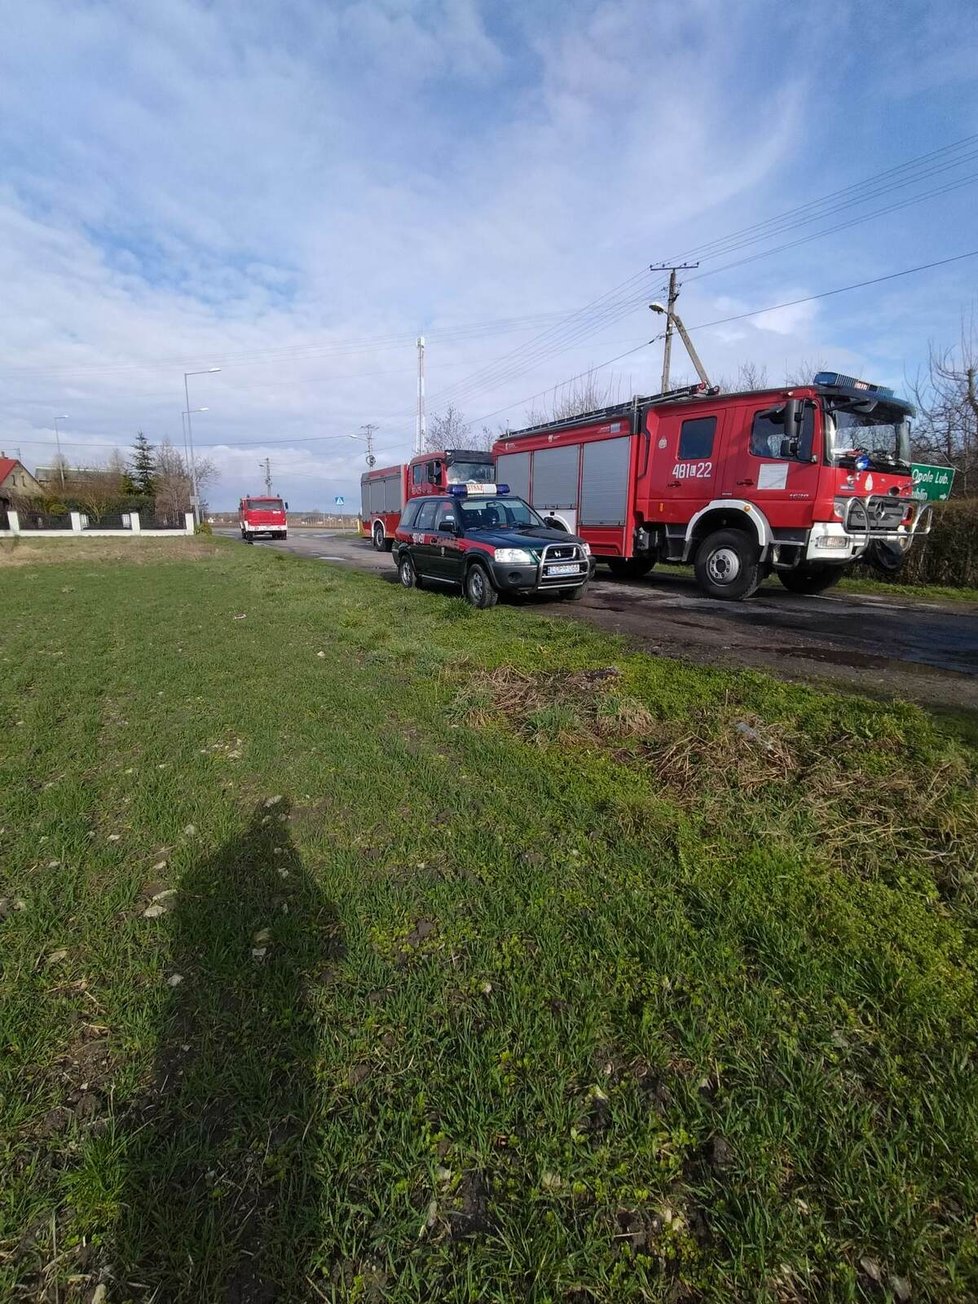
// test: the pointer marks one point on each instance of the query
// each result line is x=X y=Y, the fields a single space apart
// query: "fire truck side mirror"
x=792 y=416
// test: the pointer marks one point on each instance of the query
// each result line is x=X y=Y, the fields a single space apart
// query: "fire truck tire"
x=728 y=565
x=630 y=568
x=377 y=534
x=812 y=578
x=478 y=587
x=407 y=574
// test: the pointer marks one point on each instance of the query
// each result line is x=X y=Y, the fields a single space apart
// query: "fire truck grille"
x=885 y=513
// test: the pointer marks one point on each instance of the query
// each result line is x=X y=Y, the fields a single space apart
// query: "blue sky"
x=292 y=191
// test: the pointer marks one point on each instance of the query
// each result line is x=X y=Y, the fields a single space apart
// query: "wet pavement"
x=921 y=651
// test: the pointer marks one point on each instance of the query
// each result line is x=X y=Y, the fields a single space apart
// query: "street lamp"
x=57 y=436
x=368 y=437
x=183 y=422
x=194 y=496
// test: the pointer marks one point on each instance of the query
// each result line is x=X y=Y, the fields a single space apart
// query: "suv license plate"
x=571 y=568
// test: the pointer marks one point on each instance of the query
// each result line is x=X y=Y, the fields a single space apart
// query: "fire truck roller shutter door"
x=556 y=472
x=514 y=469
x=604 y=482
x=392 y=493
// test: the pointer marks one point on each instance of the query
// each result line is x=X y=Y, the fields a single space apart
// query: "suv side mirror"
x=448 y=525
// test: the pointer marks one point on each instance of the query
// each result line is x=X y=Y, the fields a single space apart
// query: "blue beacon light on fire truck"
x=836 y=380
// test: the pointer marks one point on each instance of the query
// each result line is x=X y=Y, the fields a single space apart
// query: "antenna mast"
x=421 y=426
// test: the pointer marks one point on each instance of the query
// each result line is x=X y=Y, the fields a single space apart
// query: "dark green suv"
x=487 y=544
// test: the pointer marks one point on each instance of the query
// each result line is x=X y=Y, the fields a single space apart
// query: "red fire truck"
x=800 y=481
x=384 y=490
x=263 y=516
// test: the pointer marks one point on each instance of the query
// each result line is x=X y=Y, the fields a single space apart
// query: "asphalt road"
x=921 y=651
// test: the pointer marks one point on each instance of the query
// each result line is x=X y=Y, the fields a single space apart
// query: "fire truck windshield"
x=463 y=472
x=882 y=433
x=264 y=504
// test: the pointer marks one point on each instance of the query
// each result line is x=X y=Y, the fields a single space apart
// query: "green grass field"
x=357 y=946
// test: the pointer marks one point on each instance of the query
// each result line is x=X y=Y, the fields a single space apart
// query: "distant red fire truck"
x=263 y=516
x=799 y=481
x=384 y=490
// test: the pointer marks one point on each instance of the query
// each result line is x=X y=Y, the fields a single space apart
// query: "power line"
x=907 y=173
x=742 y=316
x=857 y=192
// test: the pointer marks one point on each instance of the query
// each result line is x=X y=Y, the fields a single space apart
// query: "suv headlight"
x=515 y=557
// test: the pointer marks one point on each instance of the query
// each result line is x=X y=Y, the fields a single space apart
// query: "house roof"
x=7 y=464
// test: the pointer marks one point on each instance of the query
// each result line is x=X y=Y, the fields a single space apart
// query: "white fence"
x=79 y=527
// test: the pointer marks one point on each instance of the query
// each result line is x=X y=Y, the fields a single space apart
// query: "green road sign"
x=932 y=482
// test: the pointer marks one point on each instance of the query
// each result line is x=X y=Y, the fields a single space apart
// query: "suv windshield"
x=463 y=472
x=498 y=514
x=883 y=433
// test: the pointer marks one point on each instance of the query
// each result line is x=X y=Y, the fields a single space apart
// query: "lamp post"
x=57 y=436
x=183 y=422
x=194 y=495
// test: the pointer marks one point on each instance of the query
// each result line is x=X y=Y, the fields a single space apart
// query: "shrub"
x=949 y=555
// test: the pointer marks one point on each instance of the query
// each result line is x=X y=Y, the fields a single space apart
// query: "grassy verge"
x=357 y=946
x=904 y=592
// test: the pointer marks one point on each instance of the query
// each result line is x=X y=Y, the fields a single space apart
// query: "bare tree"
x=584 y=393
x=946 y=398
x=172 y=483
x=804 y=373
x=97 y=489
x=447 y=429
x=750 y=376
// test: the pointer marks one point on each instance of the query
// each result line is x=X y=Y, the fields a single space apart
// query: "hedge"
x=949 y=555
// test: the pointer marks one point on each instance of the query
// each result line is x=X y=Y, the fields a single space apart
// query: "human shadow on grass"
x=221 y=1199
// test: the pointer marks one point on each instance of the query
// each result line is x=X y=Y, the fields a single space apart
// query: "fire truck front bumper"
x=829 y=541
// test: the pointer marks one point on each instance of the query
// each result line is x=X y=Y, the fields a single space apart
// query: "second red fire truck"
x=266 y=516
x=799 y=481
x=385 y=490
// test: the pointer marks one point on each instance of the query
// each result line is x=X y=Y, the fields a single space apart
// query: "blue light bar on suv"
x=835 y=380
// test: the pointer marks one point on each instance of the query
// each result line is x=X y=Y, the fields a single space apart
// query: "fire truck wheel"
x=378 y=537
x=478 y=587
x=630 y=568
x=812 y=578
x=407 y=574
x=727 y=565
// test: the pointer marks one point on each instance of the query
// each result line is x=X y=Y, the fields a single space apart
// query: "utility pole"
x=670 y=312
x=421 y=428
x=368 y=434
x=267 y=464
x=57 y=436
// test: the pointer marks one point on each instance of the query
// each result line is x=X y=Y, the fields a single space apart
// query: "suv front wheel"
x=478 y=587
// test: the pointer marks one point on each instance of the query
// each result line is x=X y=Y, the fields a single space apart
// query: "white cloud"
x=192 y=184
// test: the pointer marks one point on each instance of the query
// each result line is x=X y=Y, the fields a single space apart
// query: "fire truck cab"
x=799 y=481
x=263 y=516
x=384 y=491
